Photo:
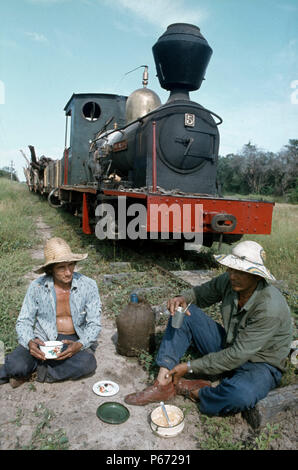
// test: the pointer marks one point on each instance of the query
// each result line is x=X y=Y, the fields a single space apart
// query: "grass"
x=18 y=211
x=17 y=208
x=43 y=438
x=258 y=197
x=218 y=433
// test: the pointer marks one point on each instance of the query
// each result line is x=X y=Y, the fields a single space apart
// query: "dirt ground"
x=38 y=415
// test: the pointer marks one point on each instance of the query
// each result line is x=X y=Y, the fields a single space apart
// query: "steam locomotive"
x=150 y=154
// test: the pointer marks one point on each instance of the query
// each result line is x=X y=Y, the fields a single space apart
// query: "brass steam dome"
x=141 y=101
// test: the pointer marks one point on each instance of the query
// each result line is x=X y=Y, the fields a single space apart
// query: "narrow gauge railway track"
x=182 y=269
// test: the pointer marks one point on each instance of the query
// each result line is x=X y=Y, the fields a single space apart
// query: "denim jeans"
x=20 y=363
x=240 y=389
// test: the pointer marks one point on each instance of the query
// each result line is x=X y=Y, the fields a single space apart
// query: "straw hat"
x=247 y=256
x=56 y=250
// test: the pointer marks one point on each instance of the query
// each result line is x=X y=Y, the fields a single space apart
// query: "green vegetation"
x=18 y=212
x=217 y=434
x=9 y=172
x=269 y=434
x=42 y=438
x=220 y=433
x=255 y=171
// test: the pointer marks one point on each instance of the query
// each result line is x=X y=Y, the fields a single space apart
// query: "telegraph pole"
x=11 y=169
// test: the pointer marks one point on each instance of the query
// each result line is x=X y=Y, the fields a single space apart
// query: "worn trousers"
x=240 y=389
x=20 y=363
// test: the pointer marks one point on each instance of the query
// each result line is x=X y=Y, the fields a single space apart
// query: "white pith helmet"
x=247 y=256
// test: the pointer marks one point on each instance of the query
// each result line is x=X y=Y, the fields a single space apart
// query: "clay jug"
x=136 y=328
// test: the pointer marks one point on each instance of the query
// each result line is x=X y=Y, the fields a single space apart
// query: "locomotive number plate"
x=119 y=146
x=189 y=120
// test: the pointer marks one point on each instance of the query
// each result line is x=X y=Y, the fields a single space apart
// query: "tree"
x=256 y=171
x=9 y=172
x=255 y=161
x=230 y=174
x=289 y=157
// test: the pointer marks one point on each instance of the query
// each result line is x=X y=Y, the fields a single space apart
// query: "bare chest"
x=62 y=303
x=63 y=313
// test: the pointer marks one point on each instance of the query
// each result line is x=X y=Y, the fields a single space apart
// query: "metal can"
x=178 y=317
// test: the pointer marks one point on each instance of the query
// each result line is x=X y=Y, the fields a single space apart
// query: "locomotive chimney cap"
x=181 y=57
x=185 y=28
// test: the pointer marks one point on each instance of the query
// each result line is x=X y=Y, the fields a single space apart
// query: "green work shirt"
x=260 y=331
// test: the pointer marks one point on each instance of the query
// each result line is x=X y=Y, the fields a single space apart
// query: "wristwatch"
x=189 y=369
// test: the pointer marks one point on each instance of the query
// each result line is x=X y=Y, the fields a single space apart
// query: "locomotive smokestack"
x=181 y=57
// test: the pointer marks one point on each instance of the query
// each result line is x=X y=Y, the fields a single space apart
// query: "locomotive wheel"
x=53 y=199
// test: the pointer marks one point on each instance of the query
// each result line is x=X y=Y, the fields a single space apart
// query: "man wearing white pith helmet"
x=248 y=352
x=61 y=305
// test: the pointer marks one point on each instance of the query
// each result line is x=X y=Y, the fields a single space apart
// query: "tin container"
x=178 y=317
x=159 y=424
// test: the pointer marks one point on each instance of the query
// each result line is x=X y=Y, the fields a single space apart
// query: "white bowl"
x=159 y=423
x=51 y=349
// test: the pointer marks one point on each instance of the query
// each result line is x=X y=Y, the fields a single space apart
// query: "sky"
x=50 y=49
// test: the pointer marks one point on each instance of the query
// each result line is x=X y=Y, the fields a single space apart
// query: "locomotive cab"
x=86 y=114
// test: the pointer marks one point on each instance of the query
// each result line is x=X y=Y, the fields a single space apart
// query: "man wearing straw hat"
x=249 y=351
x=61 y=305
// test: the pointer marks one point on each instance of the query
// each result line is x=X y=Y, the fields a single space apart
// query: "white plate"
x=105 y=388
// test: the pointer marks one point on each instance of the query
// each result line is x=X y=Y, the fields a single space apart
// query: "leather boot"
x=15 y=382
x=185 y=387
x=153 y=393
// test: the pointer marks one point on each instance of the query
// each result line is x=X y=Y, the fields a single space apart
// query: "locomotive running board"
x=251 y=216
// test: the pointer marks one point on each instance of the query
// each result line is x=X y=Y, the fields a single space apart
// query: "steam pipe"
x=154 y=157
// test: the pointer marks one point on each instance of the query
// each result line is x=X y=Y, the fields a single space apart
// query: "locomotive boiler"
x=153 y=154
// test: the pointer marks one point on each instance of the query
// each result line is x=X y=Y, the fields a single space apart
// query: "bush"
x=292 y=195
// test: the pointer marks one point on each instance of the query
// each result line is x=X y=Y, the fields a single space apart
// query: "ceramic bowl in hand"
x=51 y=349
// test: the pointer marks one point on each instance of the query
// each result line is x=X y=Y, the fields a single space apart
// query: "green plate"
x=112 y=412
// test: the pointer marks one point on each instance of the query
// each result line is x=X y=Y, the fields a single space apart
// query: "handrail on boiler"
x=154 y=157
